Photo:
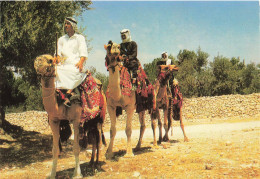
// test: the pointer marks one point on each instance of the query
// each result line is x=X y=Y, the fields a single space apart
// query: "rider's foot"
x=67 y=102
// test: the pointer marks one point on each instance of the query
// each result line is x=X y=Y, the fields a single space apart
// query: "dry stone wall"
x=194 y=109
x=221 y=106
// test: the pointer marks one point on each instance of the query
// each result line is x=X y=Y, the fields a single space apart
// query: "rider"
x=71 y=59
x=165 y=61
x=128 y=51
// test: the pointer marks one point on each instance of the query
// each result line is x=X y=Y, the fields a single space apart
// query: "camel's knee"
x=165 y=125
x=112 y=131
x=55 y=151
x=182 y=125
x=154 y=125
x=143 y=127
x=128 y=131
x=76 y=150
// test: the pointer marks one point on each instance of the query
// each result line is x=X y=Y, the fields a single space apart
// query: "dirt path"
x=195 y=131
x=222 y=150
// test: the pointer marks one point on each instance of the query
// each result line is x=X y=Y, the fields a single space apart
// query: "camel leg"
x=166 y=127
x=99 y=143
x=154 y=131
x=76 y=150
x=55 y=128
x=182 y=127
x=142 y=129
x=112 y=114
x=94 y=148
x=159 y=126
x=128 y=131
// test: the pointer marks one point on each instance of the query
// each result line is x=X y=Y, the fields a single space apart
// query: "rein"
x=113 y=66
x=47 y=78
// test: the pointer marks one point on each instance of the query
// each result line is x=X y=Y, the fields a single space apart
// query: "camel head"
x=43 y=65
x=113 y=52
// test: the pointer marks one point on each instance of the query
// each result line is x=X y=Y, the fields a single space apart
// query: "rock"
x=228 y=143
x=136 y=174
x=208 y=166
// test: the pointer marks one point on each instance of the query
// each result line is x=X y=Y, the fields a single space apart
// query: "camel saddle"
x=90 y=95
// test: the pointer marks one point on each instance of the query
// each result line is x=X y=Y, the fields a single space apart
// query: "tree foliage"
x=197 y=77
x=28 y=29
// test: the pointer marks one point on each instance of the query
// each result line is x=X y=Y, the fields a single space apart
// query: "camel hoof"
x=75 y=176
x=131 y=155
x=155 y=146
x=109 y=156
x=186 y=139
x=49 y=176
x=165 y=139
x=138 y=147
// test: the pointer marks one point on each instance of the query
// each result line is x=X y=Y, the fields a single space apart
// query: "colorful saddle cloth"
x=177 y=96
x=91 y=98
x=144 y=90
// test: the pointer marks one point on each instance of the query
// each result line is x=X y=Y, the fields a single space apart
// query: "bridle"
x=116 y=58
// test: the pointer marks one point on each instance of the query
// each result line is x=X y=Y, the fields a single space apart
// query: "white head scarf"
x=73 y=23
x=166 y=55
x=168 y=61
x=126 y=32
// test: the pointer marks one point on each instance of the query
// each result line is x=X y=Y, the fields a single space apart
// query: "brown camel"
x=116 y=98
x=57 y=112
x=163 y=100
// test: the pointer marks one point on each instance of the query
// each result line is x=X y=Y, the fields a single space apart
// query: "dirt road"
x=224 y=150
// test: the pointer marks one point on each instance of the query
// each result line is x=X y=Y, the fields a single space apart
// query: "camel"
x=58 y=112
x=116 y=98
x=163 y=100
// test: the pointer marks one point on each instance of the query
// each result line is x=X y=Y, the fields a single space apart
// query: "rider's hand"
x=56 y=59
x=79 y=65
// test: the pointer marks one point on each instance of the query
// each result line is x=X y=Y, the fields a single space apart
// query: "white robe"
x=71 y=49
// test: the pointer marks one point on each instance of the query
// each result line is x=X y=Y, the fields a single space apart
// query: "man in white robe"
x=71 y=59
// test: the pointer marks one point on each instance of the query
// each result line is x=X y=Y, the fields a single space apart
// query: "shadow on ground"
x=19 y=148
x=86 y=170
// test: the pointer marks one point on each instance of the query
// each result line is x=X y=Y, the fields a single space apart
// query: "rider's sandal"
x=67 y=100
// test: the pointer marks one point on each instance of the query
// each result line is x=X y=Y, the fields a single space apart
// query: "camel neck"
x=48 y=95
x=114 y=83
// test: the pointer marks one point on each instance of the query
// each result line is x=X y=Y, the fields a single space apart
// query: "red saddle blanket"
x=144 y=87
x=144 y=90
x=177 y=96
x=91 y=98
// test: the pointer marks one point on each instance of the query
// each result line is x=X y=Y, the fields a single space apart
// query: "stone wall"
x=194 y=110
x=221 y=106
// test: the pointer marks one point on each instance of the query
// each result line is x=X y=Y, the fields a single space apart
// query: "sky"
x=225 y=28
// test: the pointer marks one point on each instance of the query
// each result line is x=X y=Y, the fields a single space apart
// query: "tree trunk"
x=2 y=120
x=2 y=116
